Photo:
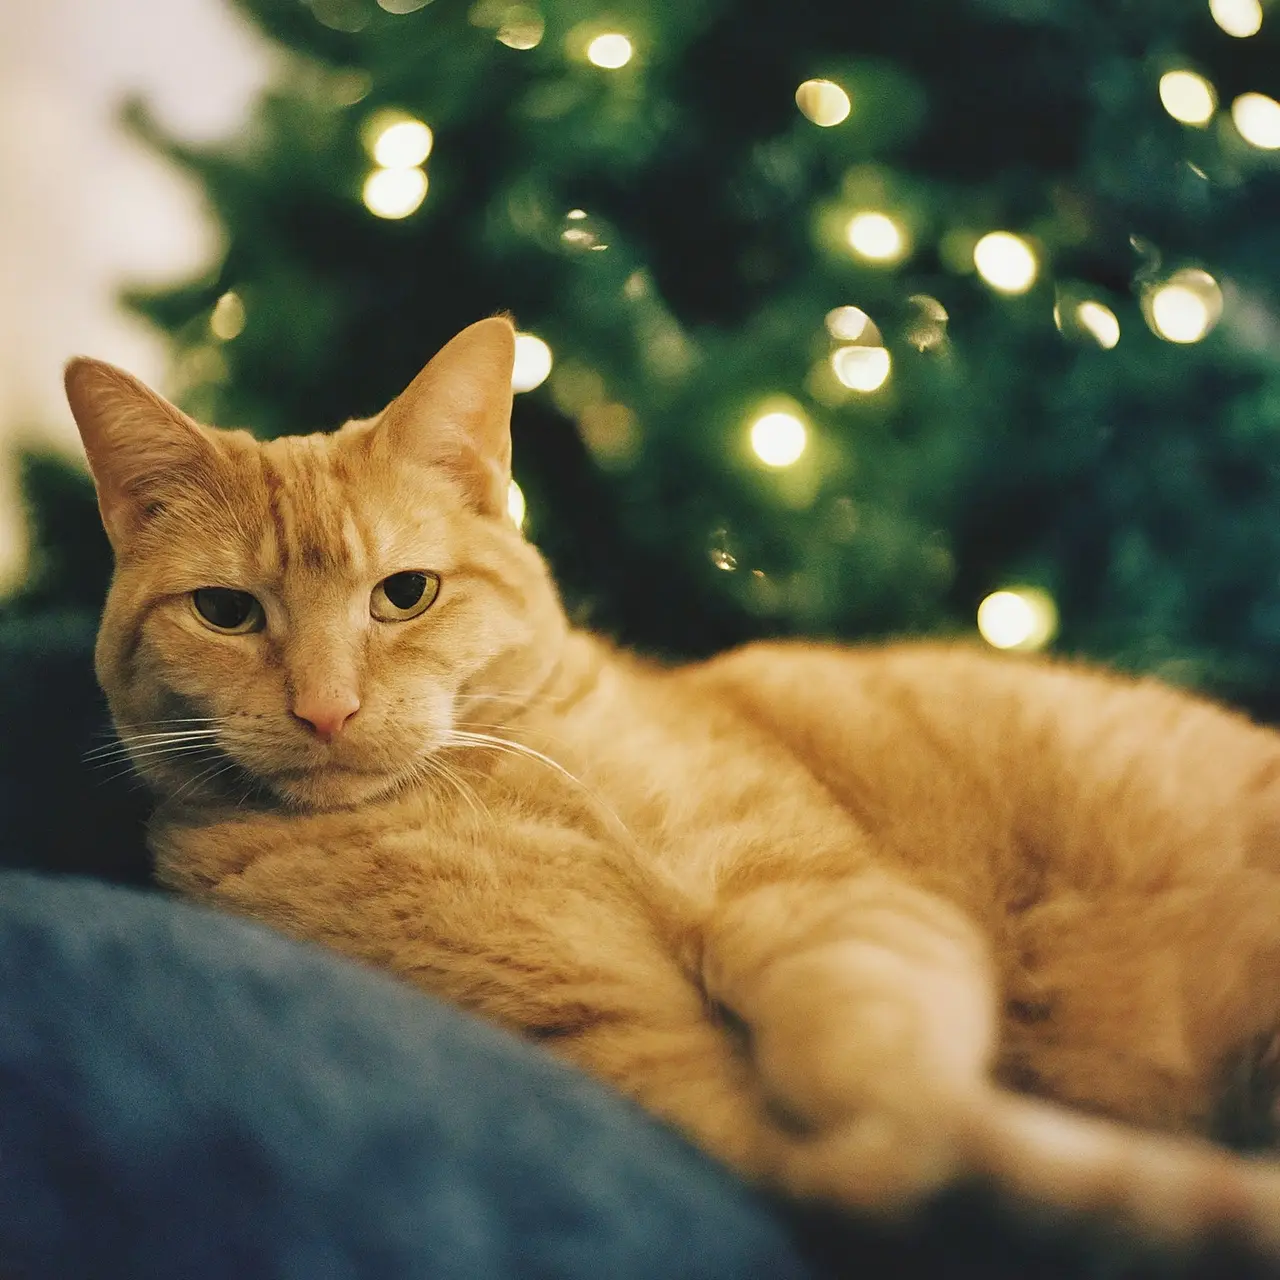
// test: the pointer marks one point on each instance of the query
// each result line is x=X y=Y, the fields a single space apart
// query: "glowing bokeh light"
x=824 y=102
x=1023 y=618
x=876 y=237
x=1189 y=98
x=1006 y=262
x=403 y=145
x=522 y=28
x=394 y=193
x=1185 y=307
x=226 y=321
x=862 y=368
x=1239 y=18
x=532 y=364
x=403 y=6
x=610 y=51
x=848 y=323
x=778 y=439
x=515 y=505
x=1099 y=320
x=1257 y=120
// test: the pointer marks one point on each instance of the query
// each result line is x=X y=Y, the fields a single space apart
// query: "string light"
x=1257 y=120
x=226 y=321
x=1239 y=18
x=515 y=505
x=403 y=145
x=1189 y=98
x=1185 y=307
x=1022 y=618
x=876 y=237
x=824 y=102
x=1006 y=262
x=849 y=323
x=861 y=368
x=778 y=438
x=1100 y=321
x=522 y=28
x=532 y=364
x=610 y=51
x=394 y=193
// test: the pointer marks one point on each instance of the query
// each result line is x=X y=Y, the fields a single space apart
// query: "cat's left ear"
x=456 y=414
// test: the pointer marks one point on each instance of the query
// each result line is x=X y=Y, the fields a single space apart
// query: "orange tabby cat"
x=826 y=909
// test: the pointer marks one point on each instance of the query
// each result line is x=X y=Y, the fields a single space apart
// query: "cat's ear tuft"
x=140 y=447
x=456 y=414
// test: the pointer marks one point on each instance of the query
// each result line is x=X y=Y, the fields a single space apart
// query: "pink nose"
x=326 y=715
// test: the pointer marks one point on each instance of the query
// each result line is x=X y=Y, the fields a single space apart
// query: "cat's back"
x=974 y=765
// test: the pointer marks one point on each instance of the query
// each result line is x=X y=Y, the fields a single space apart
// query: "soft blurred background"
x=846 y=320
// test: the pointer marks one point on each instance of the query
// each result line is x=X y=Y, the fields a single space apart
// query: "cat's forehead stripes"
x=311 y=523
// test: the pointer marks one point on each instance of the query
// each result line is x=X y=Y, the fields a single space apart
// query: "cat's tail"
x=1172 y=1192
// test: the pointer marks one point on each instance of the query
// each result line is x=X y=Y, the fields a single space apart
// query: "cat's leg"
x=870 y=1007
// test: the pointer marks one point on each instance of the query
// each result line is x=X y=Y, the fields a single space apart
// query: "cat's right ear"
x=140 y=447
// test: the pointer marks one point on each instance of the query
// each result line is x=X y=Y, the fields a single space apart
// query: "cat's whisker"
x=141 y=751
x=130 y=767
x=429 y=768
x=483 y=727
x=150 y=739
x=205 y=776
x=183 y=720
x=461 y=737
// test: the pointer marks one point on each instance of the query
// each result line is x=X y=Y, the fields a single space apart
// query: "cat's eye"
x=404 y=595
x=224 y=609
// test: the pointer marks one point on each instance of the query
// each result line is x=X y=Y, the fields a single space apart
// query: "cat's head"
x=314 y=617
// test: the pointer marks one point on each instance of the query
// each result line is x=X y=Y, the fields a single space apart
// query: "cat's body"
x=822 y=908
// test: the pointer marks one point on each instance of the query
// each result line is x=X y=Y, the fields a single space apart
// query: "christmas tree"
x=841 y=318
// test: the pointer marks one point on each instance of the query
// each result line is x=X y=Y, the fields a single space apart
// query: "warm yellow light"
x=1100 y=321
x=824 y=102
x=522 y=28
x=226 y=321
x=403 y=145
x=1020 y=618
x=848 y=323
x=778 y=439
x=1257 y=119
x=1239 y=18
x=1187 y=97
x=394 y=193
x=610 y=51
x=532 y=364
x=515 y=505
x=1006 y=262
x=1186 y=307
x=861 y=368
x=876 y=236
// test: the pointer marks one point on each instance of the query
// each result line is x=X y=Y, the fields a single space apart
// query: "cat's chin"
x=333 y=787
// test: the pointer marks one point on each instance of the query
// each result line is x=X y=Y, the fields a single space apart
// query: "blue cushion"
x=186 y=1095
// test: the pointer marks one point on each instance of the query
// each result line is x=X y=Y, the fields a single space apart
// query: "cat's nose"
x=326 y=715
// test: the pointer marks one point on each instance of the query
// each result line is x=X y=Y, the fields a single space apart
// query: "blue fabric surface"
x=187 y=1095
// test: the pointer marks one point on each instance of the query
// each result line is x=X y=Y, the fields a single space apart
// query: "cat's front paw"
x=881 y=1161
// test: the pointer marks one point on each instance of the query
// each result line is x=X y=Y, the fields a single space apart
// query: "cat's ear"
x=456 y=414
x=141 y=449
